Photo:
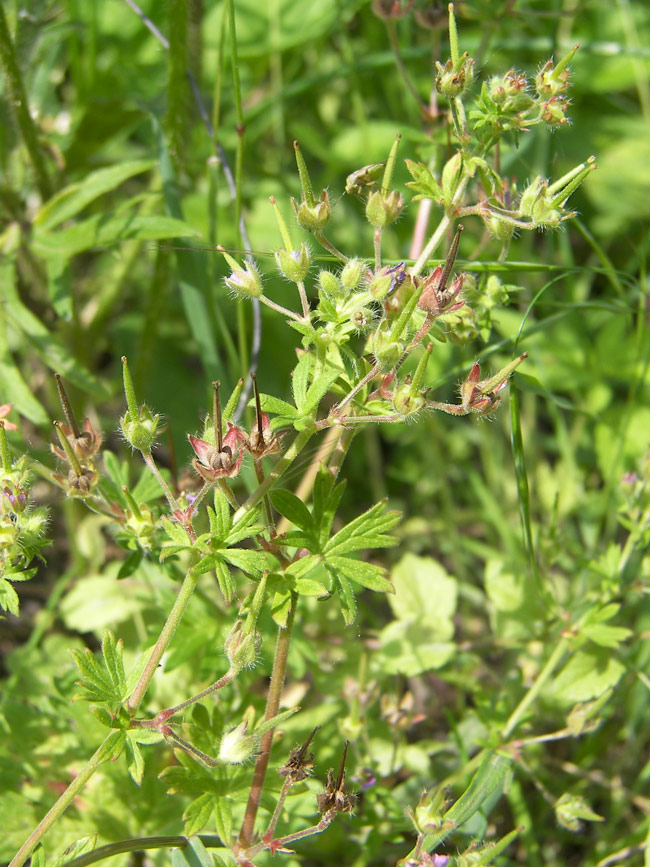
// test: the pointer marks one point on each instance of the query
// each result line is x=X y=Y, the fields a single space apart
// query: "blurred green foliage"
x=418 y=684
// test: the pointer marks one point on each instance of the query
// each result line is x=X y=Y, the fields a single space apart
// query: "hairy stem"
x=168 y=630
x=551 y=664
x=272 y=706
x=98 y=757
x=278 y=470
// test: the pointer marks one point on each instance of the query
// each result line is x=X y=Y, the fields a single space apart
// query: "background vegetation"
x=113 y=123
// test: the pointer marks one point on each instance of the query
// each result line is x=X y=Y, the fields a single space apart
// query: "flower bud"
x=294 y=264
x=553 y=111
x=383 y=210
x=405 y=401
x=381 y=282
x=314 y=217
x=386 y=350
x=498 y=226
x=351 y=274
x=245 y=282
x=454 y=78
x=241 y=648
x=570 y=809
x=509 y=90
x=428 y=815
x=553 y=80
x=330 y=284
x=236 y=746
x=140 y=432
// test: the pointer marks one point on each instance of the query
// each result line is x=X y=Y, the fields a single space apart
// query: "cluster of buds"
x=480 y=397
x=222 y=459
x=21 y=526
x=541 y=204
x=510 y=92
x=77 y=448
x=553 y=79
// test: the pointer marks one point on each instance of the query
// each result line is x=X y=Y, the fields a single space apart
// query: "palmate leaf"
x=102 y=682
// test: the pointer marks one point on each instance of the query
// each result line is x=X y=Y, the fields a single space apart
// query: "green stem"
x=5 y=459
x=322 y=240
x=377 y=242
x=278 y=470
x=552 y=663
x=149 y=461
x=18 y=99
x=272 y=706
x=166 y=635
x=57 y=810
x=280 y=309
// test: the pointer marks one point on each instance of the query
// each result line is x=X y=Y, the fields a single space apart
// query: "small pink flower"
x=5 y=409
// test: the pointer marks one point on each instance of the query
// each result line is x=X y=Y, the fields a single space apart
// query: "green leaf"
x=366 y=531
x=280 y=608
x=38 y=856
x=309 y=587
x=588 y=674
x=326 y=498
x=191 y=273
x=606 y=636
x=134 y=759
x=113 y=746
x=487 y=783
x=293 y=509
x=301 y=567
x=176 y=533
x=318 y=389
x=367 y=574
x=254 y=563
x=424 y=591
x=113 y=652
x=423 y=184
x=75 y=850
x=226 y=583
x=105 y=230
x=276 y=406
x=220 y=517
x=300 y=380
x=223 y=820
x=411 y=648
x=59 y=286
x=345 y=596
x=99 y=682
x=68 y=201
x=8 y=598
x=198 y=813
x=48 y=347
